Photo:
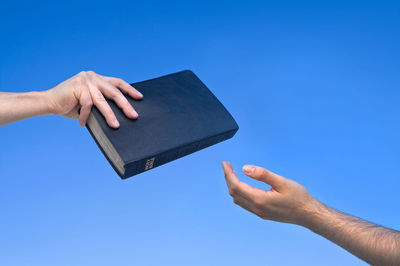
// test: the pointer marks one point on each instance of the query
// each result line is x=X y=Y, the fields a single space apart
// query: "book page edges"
x=105 y=144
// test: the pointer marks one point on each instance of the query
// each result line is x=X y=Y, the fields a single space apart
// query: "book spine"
x=165 y=157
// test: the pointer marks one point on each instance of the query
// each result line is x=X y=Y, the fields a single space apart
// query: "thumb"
x=261 y=174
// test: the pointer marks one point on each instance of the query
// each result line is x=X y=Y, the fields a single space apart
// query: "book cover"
x=178 y=115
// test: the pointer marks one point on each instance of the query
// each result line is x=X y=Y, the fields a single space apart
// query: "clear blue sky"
x=314 y=86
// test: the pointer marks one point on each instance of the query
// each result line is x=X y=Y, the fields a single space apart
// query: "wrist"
x=48 y=103
x=312 y=212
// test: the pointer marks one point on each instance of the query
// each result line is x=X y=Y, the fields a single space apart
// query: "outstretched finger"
x=275 y=181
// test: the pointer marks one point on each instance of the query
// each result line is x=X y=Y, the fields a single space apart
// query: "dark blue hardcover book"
x=178 y=115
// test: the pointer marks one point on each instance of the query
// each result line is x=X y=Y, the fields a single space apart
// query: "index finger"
x=262 y=174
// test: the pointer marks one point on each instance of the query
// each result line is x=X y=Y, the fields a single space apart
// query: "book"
x=178 y=115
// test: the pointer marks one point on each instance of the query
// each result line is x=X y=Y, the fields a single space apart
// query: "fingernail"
x=248 y=169
x=140 y=94
x=134 y=113
x=115 y=123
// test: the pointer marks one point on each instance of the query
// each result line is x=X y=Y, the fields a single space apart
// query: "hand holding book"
x=79 y=93
x=87 y=89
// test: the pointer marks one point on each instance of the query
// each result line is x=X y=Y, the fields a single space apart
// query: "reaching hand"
x=286 y=201
x=289 y=202
x=88 y=88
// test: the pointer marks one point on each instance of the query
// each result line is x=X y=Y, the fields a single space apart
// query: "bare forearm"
x=18 y=106
x=374 y=244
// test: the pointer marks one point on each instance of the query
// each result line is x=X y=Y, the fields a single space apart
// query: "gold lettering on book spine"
x=149 y=163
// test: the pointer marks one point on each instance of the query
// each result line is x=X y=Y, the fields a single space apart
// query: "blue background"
x=314 y=86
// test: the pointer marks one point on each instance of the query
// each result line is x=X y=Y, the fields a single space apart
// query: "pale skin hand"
x=289 y=202
x=81 y=91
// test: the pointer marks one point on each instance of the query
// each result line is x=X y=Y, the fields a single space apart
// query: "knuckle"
x=88 y=103
x=108 y=112
x=125 y=102
x=91 y=72
x=83 y=74
x=117 y=95
x=119 y=81
x=264 y=172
